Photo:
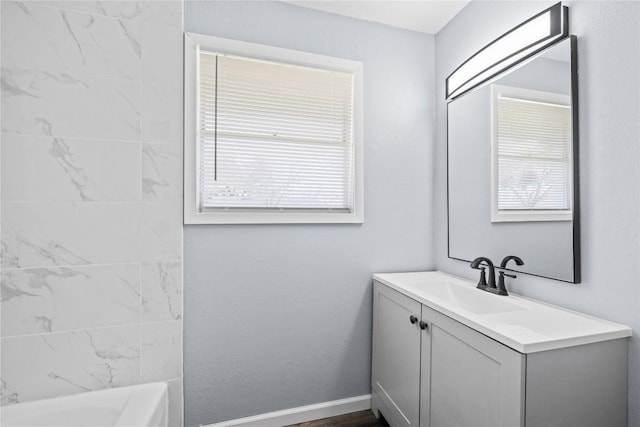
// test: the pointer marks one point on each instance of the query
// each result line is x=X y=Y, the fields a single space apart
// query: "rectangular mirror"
x=512 y=167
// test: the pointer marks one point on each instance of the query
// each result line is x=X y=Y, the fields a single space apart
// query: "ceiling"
x=426 y=16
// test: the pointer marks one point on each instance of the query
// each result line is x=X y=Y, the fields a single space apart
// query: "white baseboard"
x=301 y=414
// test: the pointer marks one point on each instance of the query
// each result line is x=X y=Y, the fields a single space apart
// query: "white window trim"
x=191 y=213
x=524 y=215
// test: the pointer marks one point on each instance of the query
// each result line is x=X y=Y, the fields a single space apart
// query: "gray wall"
x=609 y=60
x=279 y=316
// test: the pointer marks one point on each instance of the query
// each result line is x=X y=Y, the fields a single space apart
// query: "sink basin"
x=460 y=295
x=521 y=323
x=470 y=299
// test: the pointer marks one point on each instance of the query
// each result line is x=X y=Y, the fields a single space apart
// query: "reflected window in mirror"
x=530 y=163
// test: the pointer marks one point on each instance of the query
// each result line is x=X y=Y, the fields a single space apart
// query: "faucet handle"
x=502 y=289
x=482 y=283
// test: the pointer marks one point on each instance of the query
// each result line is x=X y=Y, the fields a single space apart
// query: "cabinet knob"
x=413 y=319
x=423 y=325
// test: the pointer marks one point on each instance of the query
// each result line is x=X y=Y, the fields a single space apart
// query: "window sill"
x=272 y=218
x=531 y=216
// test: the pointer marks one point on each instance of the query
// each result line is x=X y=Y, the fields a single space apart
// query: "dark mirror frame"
x=575 y=151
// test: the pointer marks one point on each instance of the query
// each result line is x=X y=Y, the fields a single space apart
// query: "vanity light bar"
x=514 y=46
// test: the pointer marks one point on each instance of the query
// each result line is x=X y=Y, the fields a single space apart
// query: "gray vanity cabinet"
x=396 y=356
x=467 y=379
x=430 y=370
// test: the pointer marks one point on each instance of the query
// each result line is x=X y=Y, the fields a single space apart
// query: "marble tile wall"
x=91 y=197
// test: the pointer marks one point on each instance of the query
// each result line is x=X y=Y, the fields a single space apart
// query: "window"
x=531 y=155
x=271 y=135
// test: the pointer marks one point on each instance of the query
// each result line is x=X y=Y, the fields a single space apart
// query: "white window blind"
x=534 y=155
x=274 y=136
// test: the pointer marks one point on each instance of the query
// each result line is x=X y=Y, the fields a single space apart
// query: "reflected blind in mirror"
x=274 y=136
x=534 y=155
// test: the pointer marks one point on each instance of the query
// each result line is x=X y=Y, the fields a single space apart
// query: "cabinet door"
x=396 y=356
x=468 y=379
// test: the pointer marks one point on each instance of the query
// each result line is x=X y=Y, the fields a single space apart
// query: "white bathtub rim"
x=156 y=396
x=112 y=398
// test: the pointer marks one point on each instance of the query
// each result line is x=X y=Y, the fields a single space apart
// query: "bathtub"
x=142 y=405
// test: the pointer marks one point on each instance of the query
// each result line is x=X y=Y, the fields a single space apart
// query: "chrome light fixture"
x=518 y=44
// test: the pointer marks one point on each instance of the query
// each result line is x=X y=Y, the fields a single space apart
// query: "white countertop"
x=524 y=324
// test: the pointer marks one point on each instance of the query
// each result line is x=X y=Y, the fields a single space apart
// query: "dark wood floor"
x=355 y=419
